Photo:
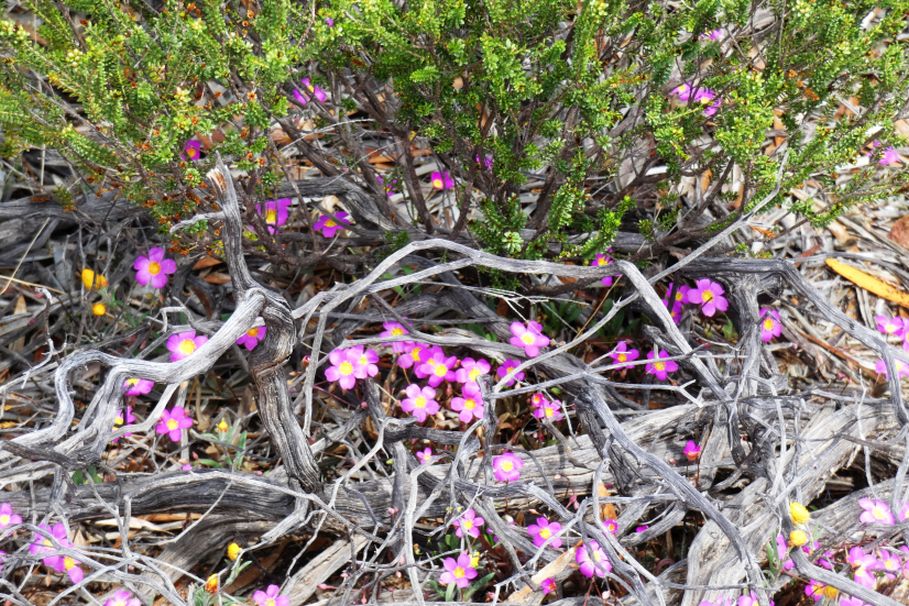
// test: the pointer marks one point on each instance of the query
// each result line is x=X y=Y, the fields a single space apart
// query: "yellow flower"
x=223 y=427
x=233 y=552
x=211 y=585
x=474 y=559
x=798 y=537
x=99 y=309
x=93 y=281
x=798 y=513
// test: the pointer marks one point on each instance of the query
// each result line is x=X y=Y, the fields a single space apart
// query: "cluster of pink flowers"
x=458 y=571
x=329 y=225
x=173 y=422
x=275 y=213
x=270 y=597
x=603 y=260
x=309 y=92
x=390 y=186
x=679 y=298
x=350 y=364
x=152 y=270
x=47 y=547
x=704 y=96
x=441 y=180
x=543 y=408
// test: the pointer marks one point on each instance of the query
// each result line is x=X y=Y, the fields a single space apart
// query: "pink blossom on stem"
x=592 y=560
x=621 y=355
x=506 y=467
x=395 y=330
x=8 y=517
x=771 y=326
x=529 y=336
x=692 y=450
x=441 y=180
x=469 y=405
x=44 y=546
x=122 y=597
x=420 y=402
x=468 y=523
x=437 y=368
x=191 y=150
x=659 y=366
x=709 y=295
x=309 y=91
x=252 y=337
x=329 y=225
x=547 y=586
x=543 y=531
x=682 y=92
x=542 y=408
x=460 y=572
x=889 y=157
x=152 y=270
x=891 y=326
x=876 y=512
x=124 y=417
x=603 y=260
x=270 y=597
x=506 y=367
x=611 y=525
x=173 y=422
x=414 y=355
x=424 y=456
x=183 y=344
x=275 y=213
x=137 y=387
x=471 y=370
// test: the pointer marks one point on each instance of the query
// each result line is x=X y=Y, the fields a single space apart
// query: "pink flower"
x=183 y=344
x=388 y=186
x=437 y=367
x=154 y=269
x=782 y=552
x=191 y=150
x=771 y=326
x=8 y=517
x=506 y=367
x=875 y=512
x=709 y=295
x=529 y=336
x=173 y=422
x=611 y=525
x=902 y=369
x=602 y=260
x=468 y=523
x=543 y=531
x=621 y=355
x=328 y=225
x=124 y=416
x=44 y=546
x=459 y=571
x=364 y=361
x=270 y=597
x=682 y=92
x=471 y=370
x=848 y=600
x=547 y=586
x=892 y=326
x=309 y=91
x=890 y=156
x=707 y=97
x=749 y=599
x=714 y=35
x=592 y=560
x=394 y=330
x=415 y=354
x=420 y=402
x=817 y=591
x=275 y=213
x=506 y=467
x=350 y=364
x=486 y=163
x=692 y=450
x=469 y=405
x=122 y=597
x=441 y=180
x=542 y=408
x=659 y=366
x=252 y=337
x=137 y=387
x=424 y=456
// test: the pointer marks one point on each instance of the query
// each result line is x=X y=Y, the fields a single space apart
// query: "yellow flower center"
x=548 y=411
x=172 y=425
x=545 y=533
x=466 y=524
x=154 y=268
x=659 y=365
x=132 y=382
x=470 y=404
x=187 y=346
x=459 y=572
x=312 y=89
x=597 y=556
x=437 y=183
x=768 y=324
x=419 y=402
x=396 y=332
x=622 y=357
x=474 y=374
x=830 y=592
x=253 y=332
x=346 y=368
x=878 y=512
x=68 y=563
x=271 y=216
x=506 y=465
x=270 y=602
x=4 y=519
x=330 y=223
x=191 y=152
x=528 y=338
x=679 y=296
x=440 y=370
x=706 y=296
x=118 y=421
x=415 y=354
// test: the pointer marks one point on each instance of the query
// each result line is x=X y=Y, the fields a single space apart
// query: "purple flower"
x=460 y=572
x=891 y=326
x=902 y=369
x=469 y=405
x=270 y=597
x=415 y=354
x=394 y=330
x=329 y=21
x=350 y=364
x=275 y=213
x=252 y=337
x=173 y=422
x=817 y=591
x=424 y=456
x=486 y=163
x=437 y=367
x=124 y=416
x=364 y=361
x=8 y=517
x=468 y=523
x=191 y=150
x=709 y=295
x=154 y=269
x=388 y=186
x=542 y=408
x=506 y=367
x=420 y=402
x=714 y=35
x=621 y=355
x=707 y=97
x=122 y=597
x=44 y=546
x=602 y=260
x=547 y=586
x=543 y=531
x=529 y=336
x=592 y=560
x=659 y=366
x=506 y=467
x=682 y=92
x=890 y=156
x=611 y=525
x=471 y=370
x=876 y=511
x=692 y=450
x=441 y=180
x=137 y=387
x=329 y=225
x=183 y=344
x=771 y=326
x=309 y=91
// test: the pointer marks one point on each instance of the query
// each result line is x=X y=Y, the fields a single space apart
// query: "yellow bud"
x=211 y=585
x=798 y=537
x=798 y=513
x=93 y=281
x=223 y=427
x=233 y=552
x=99 y=309
x=475 y=559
